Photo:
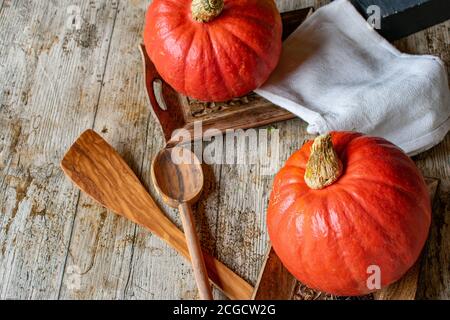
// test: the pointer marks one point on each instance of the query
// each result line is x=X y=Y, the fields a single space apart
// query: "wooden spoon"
x=98 y=170
x=180 y=185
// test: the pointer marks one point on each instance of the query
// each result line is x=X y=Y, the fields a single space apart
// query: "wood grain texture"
x=274 y=282
x=99 y=171
x=195 y=252
x=48 y=93
x=434 y=280
x=56 y=82
x=177 y=182
x=180 y=185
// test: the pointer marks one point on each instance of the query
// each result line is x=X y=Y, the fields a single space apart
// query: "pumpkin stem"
x=323 y=167
x=206 y=10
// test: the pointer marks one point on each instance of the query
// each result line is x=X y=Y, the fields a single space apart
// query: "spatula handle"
x=198 y=264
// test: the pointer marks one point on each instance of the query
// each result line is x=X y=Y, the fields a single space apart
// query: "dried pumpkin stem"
x=206 y=10
x=323 y=167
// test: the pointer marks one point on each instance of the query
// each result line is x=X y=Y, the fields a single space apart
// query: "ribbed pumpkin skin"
x=218 y=60
x=377 y=213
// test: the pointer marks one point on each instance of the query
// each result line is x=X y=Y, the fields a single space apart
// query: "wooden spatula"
x=98 y=170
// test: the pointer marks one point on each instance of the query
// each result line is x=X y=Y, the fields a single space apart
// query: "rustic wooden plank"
x=157 y=271
x=97 y=219
x=49 y=94
x=47 y=97
x=103 y=244
x=93 y=164
x=153 y=287
x=121 y=259
x=241 y=227
x=274 y=282
x=434 y=279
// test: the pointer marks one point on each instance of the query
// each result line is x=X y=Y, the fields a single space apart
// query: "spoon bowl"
x=178 y=176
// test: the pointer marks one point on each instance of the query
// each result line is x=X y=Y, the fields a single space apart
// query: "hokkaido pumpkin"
x=213 y=50
x=347 y=208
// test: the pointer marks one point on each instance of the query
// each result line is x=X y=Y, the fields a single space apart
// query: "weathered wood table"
x=55 y=82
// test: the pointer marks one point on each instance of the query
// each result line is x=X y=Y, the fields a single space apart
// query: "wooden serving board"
x=175 y=111
x=276 y=283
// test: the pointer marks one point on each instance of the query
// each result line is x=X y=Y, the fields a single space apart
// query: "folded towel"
x=337 y=73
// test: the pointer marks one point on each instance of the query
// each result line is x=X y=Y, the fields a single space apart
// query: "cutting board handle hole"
x=157 y=90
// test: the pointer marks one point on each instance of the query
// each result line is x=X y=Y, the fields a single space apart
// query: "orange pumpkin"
x=345 y=208
x=213 y=50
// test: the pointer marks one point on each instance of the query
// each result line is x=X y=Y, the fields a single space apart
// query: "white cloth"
x=337 y=73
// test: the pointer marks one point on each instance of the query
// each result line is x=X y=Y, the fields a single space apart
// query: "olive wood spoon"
x=178 y=177
x=98 y=170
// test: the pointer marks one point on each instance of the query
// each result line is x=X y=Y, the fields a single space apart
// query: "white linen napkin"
x=337 y=73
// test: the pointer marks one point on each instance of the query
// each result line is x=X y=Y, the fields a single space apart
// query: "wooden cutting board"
x=276 y=283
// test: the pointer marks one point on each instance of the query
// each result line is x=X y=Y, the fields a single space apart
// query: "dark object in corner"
x=400 y=18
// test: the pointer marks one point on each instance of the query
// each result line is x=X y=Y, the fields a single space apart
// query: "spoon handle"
x=198 y=264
